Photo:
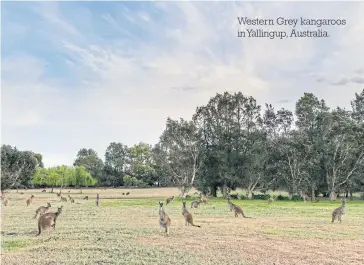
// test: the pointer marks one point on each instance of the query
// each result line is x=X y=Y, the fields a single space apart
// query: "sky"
x=85 y=74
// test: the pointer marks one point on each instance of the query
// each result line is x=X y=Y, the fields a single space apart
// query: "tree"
x=180 y=152
x=116 y=162
x=89 y=159
x=141 y=162
x=17 y=167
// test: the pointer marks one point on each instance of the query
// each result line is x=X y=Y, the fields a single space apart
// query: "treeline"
x=232 y=142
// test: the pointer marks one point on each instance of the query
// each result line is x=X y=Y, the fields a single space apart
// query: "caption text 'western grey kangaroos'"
x=187 y=215
x=164 y=220
x=339 y=212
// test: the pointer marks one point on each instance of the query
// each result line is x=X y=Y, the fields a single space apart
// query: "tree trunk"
x=351 y=195
x=346 y=194
x=52 y=190
x=214 y=191
x=224 y=191
x=313 y=194
x=332 y=196
x=250 y=194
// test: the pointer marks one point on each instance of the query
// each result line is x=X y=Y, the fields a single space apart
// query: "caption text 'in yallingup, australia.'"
x=282 y=28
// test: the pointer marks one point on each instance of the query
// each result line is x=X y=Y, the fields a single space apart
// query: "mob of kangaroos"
x=164 y=220
x=339 y=212
x=42 y=210
x=48 y=220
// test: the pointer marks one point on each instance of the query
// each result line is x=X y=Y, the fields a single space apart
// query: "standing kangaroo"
x=63 y=199
x=236 y=209
x=48 y=220
x=187 y=215
x=30 y=199
x=164 y=220
x=42 y=210
x=339 y=212
x=5 y=201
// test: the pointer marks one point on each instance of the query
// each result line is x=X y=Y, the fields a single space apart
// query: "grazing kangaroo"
x=164 y=220
x=71 y=199
x=44 y=191
x=195 y=204
x=339 y=212
x=48 y=220
x=86 y=198
x=42 y=210
x=30 y=199
x=123 y=193
x=187 y=215
x=127 y=193
x=170 y=199
x=236 y=209
x=63 y=199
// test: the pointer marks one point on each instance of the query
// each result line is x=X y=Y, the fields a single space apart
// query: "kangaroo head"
x=161 y=205
x=48 y=204
x=60 y=209
x=184 y=204
x=343 y=201
x=32 y=196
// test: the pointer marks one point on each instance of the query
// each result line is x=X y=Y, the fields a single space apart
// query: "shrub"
x=233 y=196
x=261 y=197
x=296 y=198
x=282 y=198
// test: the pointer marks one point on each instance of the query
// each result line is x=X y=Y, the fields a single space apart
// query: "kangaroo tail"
x=39 y=229
x=196 y=225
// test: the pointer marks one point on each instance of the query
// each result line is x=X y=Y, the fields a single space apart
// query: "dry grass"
x=126 y=231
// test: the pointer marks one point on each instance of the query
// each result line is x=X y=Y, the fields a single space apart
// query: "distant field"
x=124 y=230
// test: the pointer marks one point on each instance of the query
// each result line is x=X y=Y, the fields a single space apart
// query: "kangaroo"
x=195 y=204
x=71 y=199
x=127 y=193
x=203 y=199
x=48 y=220
x=187 y=215
x=42 y=210
x=30 y=199
x=339 y=212
x=63 y=199
x=86 y=198
x=164 y=220
x=170 y=199
x=44 y=191
x=5 y=201
x=236 y=209
x=270 y=200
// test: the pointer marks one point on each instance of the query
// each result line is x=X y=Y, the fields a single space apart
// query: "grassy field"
x=125 y=230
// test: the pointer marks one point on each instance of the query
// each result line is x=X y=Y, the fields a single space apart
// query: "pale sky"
x=84 y=74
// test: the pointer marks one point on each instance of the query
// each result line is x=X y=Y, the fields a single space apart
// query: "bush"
x=261 y=197
x=282 y=198
x=296 y=198
x=233 y=196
